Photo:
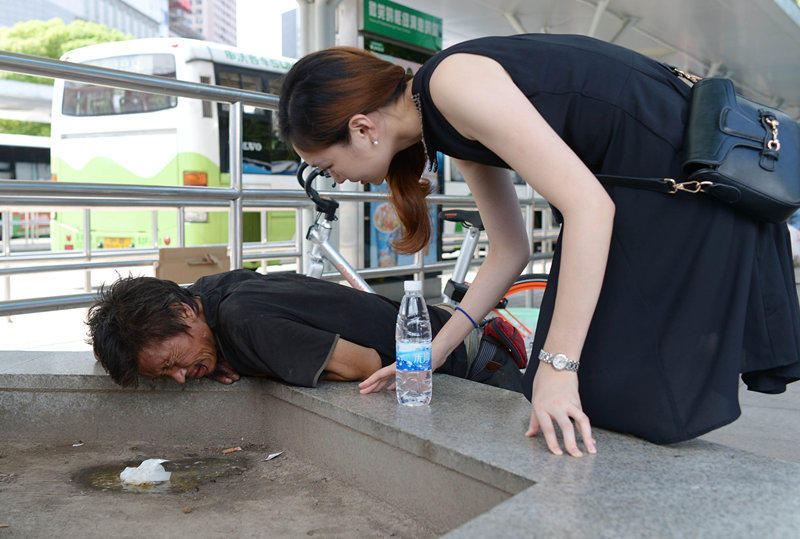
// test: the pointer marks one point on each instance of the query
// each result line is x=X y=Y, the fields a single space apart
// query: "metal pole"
x=155 y=229
x=307 y=218
x=39 y=268
x=263 y=235
x=419 y=260
x=21 y=188
x=181 y=229
x=468 y=245
x=7 y=253
x=529 y=220
x=36 y=195
x=235 y=162
x=598 y=13
x=6 y=233
x=299 y=238
x=103 y=76
x=87 y=245
x=547 y=245
x=305 y=27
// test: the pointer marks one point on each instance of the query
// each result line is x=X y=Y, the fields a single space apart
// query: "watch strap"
x=546 y=357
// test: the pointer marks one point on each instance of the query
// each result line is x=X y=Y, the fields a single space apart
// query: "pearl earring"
x=375 y=142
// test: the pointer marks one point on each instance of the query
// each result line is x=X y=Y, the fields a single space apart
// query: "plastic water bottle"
x=414 y=383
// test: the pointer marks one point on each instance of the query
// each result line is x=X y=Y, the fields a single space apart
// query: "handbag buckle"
x=690 y=187
x=773 y=144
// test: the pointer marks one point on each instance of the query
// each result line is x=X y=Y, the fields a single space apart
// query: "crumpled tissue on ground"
x=149 y=471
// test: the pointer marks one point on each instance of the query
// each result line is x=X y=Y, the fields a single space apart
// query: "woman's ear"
x=362 y=126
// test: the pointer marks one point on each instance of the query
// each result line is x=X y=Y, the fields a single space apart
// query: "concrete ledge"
x=462 y=462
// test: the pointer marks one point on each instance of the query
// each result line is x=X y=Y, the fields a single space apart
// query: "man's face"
x=184 y=356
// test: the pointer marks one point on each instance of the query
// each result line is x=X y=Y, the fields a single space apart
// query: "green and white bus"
x=109 y=135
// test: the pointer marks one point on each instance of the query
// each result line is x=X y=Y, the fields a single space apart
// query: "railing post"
x=181 y=226
x=155 y=229
x=263 y=234
x=547 y=245
x=235 y=167
x=419 y=260
x=6 y=233
x=529 y=222
x=299 y=238
x=307 y=219
x=6 y=253
x=87 y=245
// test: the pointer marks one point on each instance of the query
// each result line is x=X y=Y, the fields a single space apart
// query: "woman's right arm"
x=493 y=110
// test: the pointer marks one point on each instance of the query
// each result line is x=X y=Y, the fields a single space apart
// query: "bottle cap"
x=412 y=286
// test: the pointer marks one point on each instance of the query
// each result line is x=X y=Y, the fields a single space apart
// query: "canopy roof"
x=754 y=42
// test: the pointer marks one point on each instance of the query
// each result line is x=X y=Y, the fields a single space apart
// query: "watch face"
x=559 y=361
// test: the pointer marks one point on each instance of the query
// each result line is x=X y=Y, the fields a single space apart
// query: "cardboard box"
x=187 y=264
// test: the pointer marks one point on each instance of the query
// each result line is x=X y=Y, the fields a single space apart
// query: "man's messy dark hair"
x=131 y=314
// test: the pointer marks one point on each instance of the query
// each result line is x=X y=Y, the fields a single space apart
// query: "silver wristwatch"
x=558 y=361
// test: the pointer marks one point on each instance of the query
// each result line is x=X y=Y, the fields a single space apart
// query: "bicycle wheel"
x=522 y=308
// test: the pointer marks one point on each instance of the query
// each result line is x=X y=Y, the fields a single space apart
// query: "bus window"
x=284 y=159
x=82 y=99
x=229 y=78
x=206 y=104
x=252 y=82
x=263 y=152
x=274 y=84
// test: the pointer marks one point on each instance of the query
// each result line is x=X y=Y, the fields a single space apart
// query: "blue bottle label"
x=413 y=356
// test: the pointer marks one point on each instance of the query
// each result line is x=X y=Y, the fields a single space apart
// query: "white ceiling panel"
x=754 y=42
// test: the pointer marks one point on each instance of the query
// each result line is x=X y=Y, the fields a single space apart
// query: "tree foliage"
x=17 y=127
x=52 y=39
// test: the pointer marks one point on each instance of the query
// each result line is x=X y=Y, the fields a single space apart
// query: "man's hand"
x=379 y=378
x=223 y=373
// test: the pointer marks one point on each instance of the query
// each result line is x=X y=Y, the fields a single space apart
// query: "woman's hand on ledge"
x=555 y=397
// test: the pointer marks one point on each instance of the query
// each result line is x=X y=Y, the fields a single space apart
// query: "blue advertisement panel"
x=384 y=226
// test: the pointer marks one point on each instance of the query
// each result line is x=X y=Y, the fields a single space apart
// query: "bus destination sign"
x=240 y=58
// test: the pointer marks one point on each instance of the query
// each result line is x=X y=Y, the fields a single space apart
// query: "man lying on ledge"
x=286 y=326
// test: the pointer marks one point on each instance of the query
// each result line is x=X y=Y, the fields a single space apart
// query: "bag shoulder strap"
x=662 y=185
x=671 y=186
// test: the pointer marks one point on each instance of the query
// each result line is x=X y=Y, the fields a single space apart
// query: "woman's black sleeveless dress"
x=694 y=292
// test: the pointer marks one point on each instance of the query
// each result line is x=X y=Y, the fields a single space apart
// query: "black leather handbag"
x=738 y=151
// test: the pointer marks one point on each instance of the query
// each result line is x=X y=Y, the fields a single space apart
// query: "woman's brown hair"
x=320 y=94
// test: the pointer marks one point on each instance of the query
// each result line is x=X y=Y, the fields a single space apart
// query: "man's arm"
x=350 y=361
x=292 y=350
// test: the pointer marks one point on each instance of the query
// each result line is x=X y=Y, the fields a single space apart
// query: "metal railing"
x=32 y=194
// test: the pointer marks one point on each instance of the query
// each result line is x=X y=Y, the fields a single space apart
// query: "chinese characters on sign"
x=393 y=20
x=257 y=60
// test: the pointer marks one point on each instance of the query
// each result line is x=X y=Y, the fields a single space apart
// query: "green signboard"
x=402 y=23
x=395 y=51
